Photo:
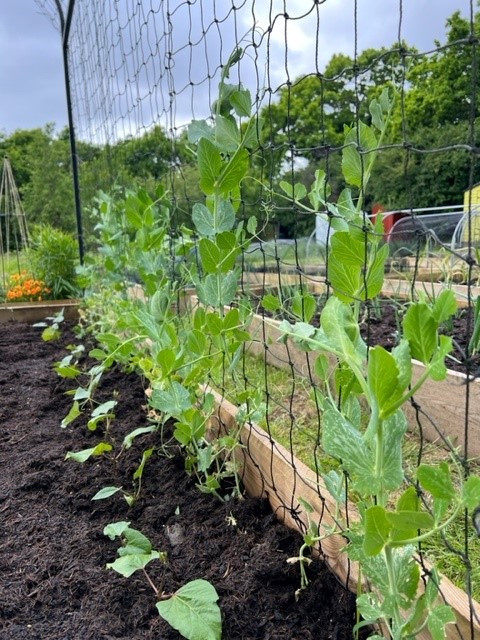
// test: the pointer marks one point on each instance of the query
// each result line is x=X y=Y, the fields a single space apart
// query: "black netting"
x=141 y=72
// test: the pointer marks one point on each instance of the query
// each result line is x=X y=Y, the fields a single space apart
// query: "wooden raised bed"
x=38 y=311
x=271 y=471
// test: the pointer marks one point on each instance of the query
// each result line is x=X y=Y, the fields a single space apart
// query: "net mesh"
x=141 y=72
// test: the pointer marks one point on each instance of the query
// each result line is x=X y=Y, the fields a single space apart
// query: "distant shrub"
x=54 y=257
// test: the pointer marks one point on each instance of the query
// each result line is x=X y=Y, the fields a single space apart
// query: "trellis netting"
x=348 y=152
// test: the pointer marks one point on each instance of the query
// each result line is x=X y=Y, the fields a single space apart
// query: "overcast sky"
x=31 y=72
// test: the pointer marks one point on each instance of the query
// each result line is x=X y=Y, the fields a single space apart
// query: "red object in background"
x=388 y=221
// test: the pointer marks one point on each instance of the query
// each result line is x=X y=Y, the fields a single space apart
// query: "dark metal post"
x=65 y=24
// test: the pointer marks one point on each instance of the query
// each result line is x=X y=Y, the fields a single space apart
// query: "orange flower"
x=23 y=287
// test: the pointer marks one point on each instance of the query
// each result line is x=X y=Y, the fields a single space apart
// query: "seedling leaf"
x=106 y=492
x=85 y=454
x=128 y=564
x=193 y=611
x=71 y=415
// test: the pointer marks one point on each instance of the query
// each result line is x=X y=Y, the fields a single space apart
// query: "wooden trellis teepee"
x=13 y=222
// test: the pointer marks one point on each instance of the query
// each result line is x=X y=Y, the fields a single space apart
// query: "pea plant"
x=215 y=339
x=363 y=391
x=192 y=610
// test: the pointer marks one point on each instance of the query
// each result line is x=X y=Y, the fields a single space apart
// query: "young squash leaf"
x=193 y=611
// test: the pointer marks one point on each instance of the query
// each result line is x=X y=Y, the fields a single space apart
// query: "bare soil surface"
x=382 y=326
x=54 y=584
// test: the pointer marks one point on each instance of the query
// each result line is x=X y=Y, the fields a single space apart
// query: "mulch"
x=54 y=584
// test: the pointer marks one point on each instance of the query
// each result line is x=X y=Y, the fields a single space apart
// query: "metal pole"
x=65 y=24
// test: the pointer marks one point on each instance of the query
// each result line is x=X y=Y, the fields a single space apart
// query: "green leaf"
x=231 y=320
x=445 y=306
x=369 y=608
x=376 y=112
x=136 y=541
x=172 y=401
x=71 y=415
x=141 y=467
x=196 y=342
x=304 y=306
x=438 y=369
x=219 y=289
x=85 y=454
x=210 y=255
x=437 y=620
x=227 y=135
x=115 y=529
x=166 y=358
x=408 y=501
x=193 y=611
x=224 y=217
x=319 y=191
x=66 y=370
x=376 y=273
x=420 y=329
x=130 y=437
x=128 y=564
x=321 y=366
x=348 y=249
x=296 y=191
x=383 y=378
x=471 y=492
x=436 y=480
x=51 y=333
x=352 y=166
x=343 y=441
x=271 y=302
x=214 y=323
x=345 y=205
x=410 y=520
x=210 y=166
x=203 y=220
x=198 y=129
x=342 y=331
x=229 y=250
x=106 y=492
x=233 y=172
x=301 y=333
x=403 y=358
x=104 y=408
x=377 y=530
x=394 y=428
x=252 y=225
x=241 y=101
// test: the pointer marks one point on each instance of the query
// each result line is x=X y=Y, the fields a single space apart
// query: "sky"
x=31 y=69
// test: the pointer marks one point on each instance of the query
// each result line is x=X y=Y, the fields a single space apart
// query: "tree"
x=442 y=88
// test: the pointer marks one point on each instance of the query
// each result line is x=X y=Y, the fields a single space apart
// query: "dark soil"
x=381 y=325
x=54 y=584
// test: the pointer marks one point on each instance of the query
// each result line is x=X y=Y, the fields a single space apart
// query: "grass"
x=293 y=420
x=12 y=262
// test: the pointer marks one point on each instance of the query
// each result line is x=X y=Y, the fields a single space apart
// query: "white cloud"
x=31 y=74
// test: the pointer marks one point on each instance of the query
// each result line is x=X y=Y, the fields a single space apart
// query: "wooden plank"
x=403 y=290
x=37 y=311
x=444 y=408
x=443 y=403
x=271 y=471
